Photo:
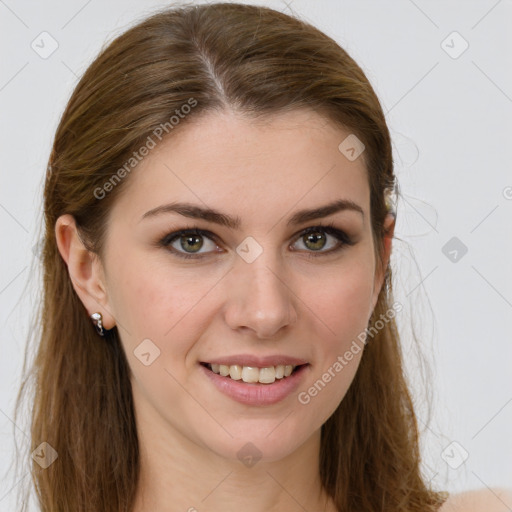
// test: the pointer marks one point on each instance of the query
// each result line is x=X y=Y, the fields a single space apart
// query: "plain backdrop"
x=442 y=72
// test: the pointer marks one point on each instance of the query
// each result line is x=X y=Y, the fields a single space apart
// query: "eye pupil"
x=189 y=238
x=315 y=237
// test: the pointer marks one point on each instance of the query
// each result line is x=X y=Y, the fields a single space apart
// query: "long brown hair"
x=256 y=61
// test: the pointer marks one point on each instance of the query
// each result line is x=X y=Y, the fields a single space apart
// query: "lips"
x=256 y=393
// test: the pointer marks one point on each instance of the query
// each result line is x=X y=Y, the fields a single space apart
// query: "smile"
x=253 y=385
x=252 y=374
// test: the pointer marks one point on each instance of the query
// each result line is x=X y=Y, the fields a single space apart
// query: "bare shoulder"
x=497 y=499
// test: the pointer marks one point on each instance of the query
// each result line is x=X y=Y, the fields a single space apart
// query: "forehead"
x=248 y=166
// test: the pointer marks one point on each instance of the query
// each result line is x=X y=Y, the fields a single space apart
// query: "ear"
x=85 y=270
x=380 y=273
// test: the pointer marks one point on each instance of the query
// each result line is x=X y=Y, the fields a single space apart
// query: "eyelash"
x=329 y=229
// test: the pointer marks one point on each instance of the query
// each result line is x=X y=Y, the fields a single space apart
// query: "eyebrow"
x=198 y=212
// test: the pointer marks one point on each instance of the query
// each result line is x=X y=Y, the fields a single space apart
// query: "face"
x=251 y=287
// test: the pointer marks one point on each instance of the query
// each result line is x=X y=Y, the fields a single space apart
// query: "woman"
x=218 y=324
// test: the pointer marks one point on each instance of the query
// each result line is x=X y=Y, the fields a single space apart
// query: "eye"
x=188 y=243
x=316 y=238
x=188 y=240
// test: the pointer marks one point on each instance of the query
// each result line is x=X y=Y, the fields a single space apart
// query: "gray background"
x=449 y=112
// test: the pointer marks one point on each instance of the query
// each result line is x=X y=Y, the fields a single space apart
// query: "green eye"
x=317 y=241
x=192 y=241
x=188 y=242
x=316 y=238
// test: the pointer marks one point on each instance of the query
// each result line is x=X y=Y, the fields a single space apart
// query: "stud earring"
x=97 y=320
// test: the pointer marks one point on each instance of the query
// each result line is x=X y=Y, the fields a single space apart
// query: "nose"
x=260 y=298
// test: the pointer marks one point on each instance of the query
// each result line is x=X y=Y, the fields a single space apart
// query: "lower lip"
x=257 y=393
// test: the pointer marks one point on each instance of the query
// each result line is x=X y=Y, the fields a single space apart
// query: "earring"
x=97 y=320
x=390 y=200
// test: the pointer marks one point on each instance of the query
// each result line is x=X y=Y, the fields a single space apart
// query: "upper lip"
x=258 y=361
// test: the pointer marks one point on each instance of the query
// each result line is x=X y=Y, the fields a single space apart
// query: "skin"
x=480 y=500
x=197 y=309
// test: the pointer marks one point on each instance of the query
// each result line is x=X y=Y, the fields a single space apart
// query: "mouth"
x=254 y=374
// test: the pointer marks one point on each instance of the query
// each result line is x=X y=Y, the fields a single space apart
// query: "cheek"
x=341 y=302
x=158 y=302
x=340 y=311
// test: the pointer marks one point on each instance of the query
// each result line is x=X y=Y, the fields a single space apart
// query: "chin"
x=256 y=441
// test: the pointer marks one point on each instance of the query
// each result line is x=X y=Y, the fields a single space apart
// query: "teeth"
x=252 y=374
x=266 y=375
x=235 y=372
